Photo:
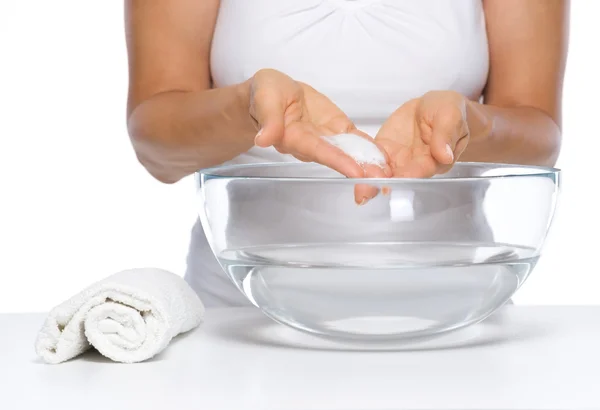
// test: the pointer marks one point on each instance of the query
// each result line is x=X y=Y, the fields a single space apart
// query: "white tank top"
x=367 y=56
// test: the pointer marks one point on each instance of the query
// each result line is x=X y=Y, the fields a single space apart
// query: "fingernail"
x=258 y=134
x=449 y=152
x=363 y=201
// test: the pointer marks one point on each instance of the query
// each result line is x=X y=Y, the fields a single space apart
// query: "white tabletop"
x=524 y=358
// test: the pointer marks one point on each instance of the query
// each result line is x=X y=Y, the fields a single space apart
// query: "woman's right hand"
x=292 y=117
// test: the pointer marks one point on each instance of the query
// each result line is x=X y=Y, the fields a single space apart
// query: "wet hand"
x=293 y=117
x=427 y=135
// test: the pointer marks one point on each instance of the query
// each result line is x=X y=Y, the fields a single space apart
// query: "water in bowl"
x=379 y=291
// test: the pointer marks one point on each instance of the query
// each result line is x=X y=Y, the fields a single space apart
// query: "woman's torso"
x=367 y=56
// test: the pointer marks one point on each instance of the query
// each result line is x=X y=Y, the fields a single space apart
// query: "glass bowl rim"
x=219 y=172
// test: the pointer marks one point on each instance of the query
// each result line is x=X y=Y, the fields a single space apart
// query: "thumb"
x=268 y=109
x=447 y=129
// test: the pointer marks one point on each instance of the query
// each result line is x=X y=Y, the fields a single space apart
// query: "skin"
x=178 y=124
x=520 y=119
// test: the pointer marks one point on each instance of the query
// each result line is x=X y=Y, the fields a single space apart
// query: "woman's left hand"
x=427 y=135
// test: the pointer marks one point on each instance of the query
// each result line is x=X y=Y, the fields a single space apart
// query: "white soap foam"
x=360 y=149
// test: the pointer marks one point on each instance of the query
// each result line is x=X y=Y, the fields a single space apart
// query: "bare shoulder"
x=528 y=51
x=168 y=46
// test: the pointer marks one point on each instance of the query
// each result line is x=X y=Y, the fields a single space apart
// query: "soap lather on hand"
x=359 y=148
x=367 y=154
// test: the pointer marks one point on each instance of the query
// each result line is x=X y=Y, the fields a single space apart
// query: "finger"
x=425 y=131
x=341 y=125
x=374 y=171
x=303 y=159
x=268 y=109
x=365 y=192
x=385 y=167
x=345 y=126
x=461 y=145
x=448 y=127
x=333 y=157
x=304 y=142
x=442 y=169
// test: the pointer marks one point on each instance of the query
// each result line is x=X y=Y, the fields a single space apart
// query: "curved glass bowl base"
x=379 y=292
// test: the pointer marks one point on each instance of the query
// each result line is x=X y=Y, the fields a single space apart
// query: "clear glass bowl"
x=424 y=257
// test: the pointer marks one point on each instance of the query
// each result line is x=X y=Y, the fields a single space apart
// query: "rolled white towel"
x=128 y=317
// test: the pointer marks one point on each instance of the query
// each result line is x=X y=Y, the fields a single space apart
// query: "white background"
x=76 y=206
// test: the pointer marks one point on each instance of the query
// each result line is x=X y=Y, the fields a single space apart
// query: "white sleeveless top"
x=367 y=56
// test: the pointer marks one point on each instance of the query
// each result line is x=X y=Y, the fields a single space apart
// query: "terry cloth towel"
x=128 y=317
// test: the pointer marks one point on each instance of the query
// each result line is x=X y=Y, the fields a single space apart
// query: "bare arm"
x=176 y=123
x=520 y=120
